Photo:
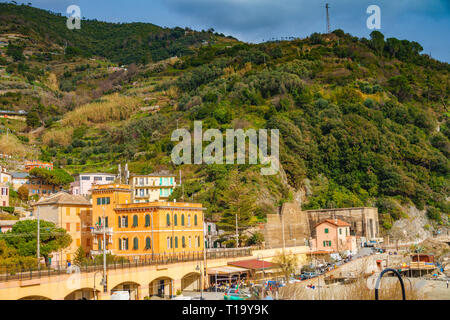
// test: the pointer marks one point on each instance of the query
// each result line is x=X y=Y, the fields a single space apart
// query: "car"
x=308 y=275
x=235 y=294
x=182 y=298
x=294 y=280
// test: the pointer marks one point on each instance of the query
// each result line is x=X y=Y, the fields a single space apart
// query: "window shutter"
x=126 y=224
x=135 y=221
x=182 y=219
x=176 y=242
x=135 y=243
x=168 y=219
x=120 y=241
x=147 y=220
x=195 y=220
x=120 y=222
x=126 y=243
x=106 y=222
x=175 y=222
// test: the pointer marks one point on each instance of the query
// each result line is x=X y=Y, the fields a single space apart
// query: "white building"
x=152 y=187
x=5 y=177
x=84 y=181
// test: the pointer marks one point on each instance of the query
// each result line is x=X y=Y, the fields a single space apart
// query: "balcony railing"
x=99 y=230
x=97 y=252
x=17 y=272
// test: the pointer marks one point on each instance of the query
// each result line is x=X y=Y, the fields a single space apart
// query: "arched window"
x=198 y=239
x=175 y=220
x=148 y=243
x=147 y=220
x=182 y=219
x=171 y=242
x=168 y=220
x=168 y=242
x=120 y=244
x=176 y=242
x=189 y=221
x=183 y=241
x=190 y=243
x=135 y=221
x=195 y=220
x=135 y=243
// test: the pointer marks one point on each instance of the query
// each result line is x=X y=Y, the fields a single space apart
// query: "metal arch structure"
x=377 y=285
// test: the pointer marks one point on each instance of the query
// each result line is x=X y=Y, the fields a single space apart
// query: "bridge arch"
x=161 y=287
x=34 y=298
x=191 y=282
x=82 y=294
x=133 y=288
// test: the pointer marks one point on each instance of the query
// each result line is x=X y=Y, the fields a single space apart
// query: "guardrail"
x=19 y=273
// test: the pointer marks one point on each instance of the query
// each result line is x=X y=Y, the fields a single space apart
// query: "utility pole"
x=205 y=265
x=282 y=231
x=38 y=240
x=237 y=233
x=327 y=6
x=104 y=252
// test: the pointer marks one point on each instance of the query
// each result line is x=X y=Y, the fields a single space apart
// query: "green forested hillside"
x=363 y=122
x=123 y=43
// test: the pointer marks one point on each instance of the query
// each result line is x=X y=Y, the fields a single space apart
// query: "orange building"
x=37 y=186
x=29 y=165
x=72 y=213
x=144 y=230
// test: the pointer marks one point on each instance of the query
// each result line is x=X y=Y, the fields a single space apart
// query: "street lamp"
x=201 y=282
x=101 y=283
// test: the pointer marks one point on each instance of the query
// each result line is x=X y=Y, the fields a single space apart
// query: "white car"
x=182 y=298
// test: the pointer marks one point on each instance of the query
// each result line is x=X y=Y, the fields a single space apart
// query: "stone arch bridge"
x=140 y=280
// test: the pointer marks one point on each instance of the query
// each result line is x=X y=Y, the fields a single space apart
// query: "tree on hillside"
x=377 y=41
x=239 y=201
x=56 y=177
x=23 y=193
x=23 y=238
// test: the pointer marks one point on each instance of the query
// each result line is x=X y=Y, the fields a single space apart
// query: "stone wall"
x=295 y=224
x=363 y=221
x=299 y=225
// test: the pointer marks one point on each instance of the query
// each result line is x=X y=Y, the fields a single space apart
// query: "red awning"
x=253 y=264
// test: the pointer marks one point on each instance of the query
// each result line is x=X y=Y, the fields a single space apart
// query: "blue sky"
x=424 y=21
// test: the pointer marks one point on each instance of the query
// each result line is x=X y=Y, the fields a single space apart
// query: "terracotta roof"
x=253 y=264
x=63 y=198
x=321 y=252
x=336 y=222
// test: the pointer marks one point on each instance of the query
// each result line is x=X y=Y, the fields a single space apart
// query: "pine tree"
x=80 y=257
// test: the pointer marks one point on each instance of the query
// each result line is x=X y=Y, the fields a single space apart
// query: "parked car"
x=308 y=275
x=294 y=280
x=235 y=294
x=182 y=298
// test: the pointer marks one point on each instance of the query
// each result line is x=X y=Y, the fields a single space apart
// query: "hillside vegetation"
x=363 y=122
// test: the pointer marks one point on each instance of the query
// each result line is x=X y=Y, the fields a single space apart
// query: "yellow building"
x=152 y=187
x=72 y=213
x=144 y=230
